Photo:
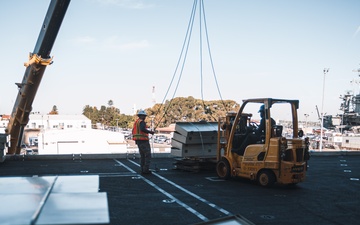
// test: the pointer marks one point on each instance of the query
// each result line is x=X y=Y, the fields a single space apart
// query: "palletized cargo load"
x=194 y=139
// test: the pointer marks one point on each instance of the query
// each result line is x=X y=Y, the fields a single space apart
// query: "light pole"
x=306 y=117
x=326 y=70
x=117 y=125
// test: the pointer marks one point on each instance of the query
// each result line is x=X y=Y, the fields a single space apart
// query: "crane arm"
x=34 y=72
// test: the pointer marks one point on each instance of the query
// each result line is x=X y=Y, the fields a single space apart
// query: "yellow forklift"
x=261 y=150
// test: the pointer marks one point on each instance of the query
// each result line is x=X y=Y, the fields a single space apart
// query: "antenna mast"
x=153 y=95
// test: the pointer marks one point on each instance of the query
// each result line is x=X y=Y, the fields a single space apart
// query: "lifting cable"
x=185 y=43
x=182 y=60
x=210 y=58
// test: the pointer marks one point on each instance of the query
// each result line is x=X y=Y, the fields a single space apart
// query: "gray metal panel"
x=193 y=150
x=196 y=138
x=25 y=185
x=73 y=200
x=18 y=208
x=184 y=128
x=75 y=208
x=176 y=144
x=176 y=152
x=73 y=184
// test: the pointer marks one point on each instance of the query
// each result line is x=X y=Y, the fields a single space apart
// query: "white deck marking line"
x=189 y=192
x=348 y=171
x=193 y=211
x=128 y=168
x=117 y=175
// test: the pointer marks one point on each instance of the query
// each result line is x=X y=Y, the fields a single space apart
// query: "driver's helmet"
x=262 y=108
x=141 y=113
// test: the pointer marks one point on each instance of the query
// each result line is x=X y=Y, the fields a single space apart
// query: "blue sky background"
x=120 y=49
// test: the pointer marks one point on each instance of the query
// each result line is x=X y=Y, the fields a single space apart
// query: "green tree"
x=180 y=109
x=189 y=109
x=108 y=116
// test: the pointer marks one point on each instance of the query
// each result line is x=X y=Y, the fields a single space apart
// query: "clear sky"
x=119 y=49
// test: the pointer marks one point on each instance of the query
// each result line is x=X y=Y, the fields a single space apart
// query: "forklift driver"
x=258 y=134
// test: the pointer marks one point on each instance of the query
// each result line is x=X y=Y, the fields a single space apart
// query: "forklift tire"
x=266 y=178
x=223 y=169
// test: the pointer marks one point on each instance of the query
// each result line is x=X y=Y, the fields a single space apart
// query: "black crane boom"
x=35 y=68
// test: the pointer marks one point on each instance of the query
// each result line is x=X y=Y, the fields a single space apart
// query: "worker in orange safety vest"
x=140 y=135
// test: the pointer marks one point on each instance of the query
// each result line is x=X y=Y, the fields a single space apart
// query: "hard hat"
x=141 y=113
x=262 y=108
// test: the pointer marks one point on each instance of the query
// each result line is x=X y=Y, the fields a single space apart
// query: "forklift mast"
x=39 y=59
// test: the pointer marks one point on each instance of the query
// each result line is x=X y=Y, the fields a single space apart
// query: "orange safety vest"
x=137 y=134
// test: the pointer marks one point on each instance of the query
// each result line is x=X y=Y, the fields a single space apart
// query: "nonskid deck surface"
x=172 y=196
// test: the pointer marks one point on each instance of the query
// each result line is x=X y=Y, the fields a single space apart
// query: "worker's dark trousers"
x=145 y=155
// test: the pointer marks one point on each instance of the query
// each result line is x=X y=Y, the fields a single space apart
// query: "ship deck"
x=330 y=194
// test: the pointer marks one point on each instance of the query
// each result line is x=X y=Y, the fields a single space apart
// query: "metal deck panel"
x=73 y=200
x=196 y=150
x=184 y=128
x=76 y=184
x=196 y=138
x=75 y=208
x=25 y=185
x=18 y=208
